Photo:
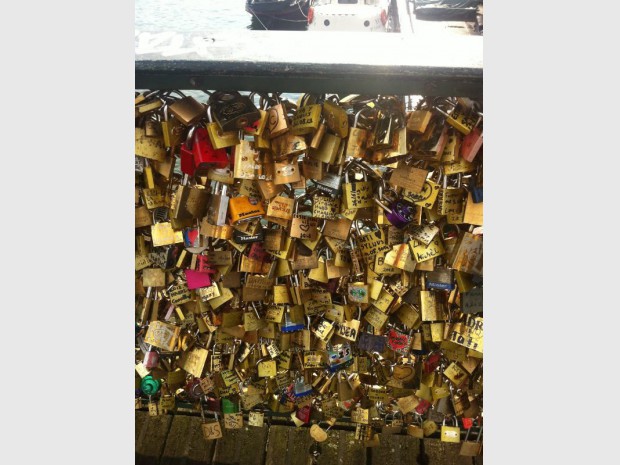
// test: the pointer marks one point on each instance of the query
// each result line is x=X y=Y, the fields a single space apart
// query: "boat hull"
x=285 y=11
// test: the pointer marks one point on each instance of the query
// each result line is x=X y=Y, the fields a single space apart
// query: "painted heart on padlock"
x=403 y=372
x=305 y=227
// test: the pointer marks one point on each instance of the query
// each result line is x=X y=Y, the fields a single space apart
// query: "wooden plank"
x=151 y=438
x=245 y=446
x=185 y=444
x=289 y=446
x=395 y=448
x=342 y=448
x=445 y=453
x=141 y=418
x=297 y=61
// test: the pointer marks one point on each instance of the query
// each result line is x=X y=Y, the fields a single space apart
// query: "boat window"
x=348 y=2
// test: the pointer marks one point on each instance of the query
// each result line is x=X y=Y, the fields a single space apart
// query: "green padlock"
x=229 y=407
x=150 y=385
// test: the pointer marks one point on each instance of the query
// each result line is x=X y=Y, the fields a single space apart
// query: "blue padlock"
x=476 y=186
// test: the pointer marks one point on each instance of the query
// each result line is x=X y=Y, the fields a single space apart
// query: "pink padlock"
x=151 y=359
x=471 y=145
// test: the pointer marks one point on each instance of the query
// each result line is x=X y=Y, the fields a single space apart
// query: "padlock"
x=471 y=448
x=301 y=388
x=277 y=119
x=188 y=110
x=336 y=117
x=471 y=144
x=306 y=119
x=243 y=208
x=149 y=385
x=430 y=145
x=327 y=150
x=324 y=330
x=399 y=148
x=286 y=173
x=218 y=205
x=245 y=160
x=429 y=427
x=393 y=423
x=331 y=183
x=210 y=430
x=151 y=359
x=476 y=185
x=188 y=165
x=441 y=278
x=363 y=432
x=381 y=136
x=349 y=329
x=416 y=431
x=172 y=129
x=188 y=202
x=220 y=139
x=233 y=111
x=417 y=120
x=451 y=199
x=459 y=118
x=460 y=401
x=450 y=433
x=450 y=152
x=356 y=142
x=339 y=357
x=357 y=194
x=398 y=212
x=198 y=155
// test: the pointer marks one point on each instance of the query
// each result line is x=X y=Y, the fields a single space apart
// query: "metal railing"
x=317 y=62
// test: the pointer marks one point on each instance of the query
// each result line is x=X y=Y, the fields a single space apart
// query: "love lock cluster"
x=320 y=259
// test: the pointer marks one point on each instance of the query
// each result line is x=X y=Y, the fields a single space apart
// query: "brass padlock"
x=417 y=121
x=336 y=117
x=188 y=110
x=451 y=433
x=459 y=118
x=246 y=160
x=327 y=150
x=306 y=119
x=219 y=138
x=471 y=448
x=277 y=120
x=382 y=134
x=172 y=129
x=356 y=142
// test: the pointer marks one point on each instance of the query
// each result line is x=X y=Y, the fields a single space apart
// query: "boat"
x=447 y=10
x=352 y=15
x=279 y=10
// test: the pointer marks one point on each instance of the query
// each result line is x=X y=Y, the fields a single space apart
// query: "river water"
x=187 y=16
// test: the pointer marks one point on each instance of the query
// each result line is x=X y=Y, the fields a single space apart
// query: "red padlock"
x=198 y=154
x=303 y=414
x=187 y=160
x=422 y=407
x=205 y=156
x=431 y=363
x=203 y=265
